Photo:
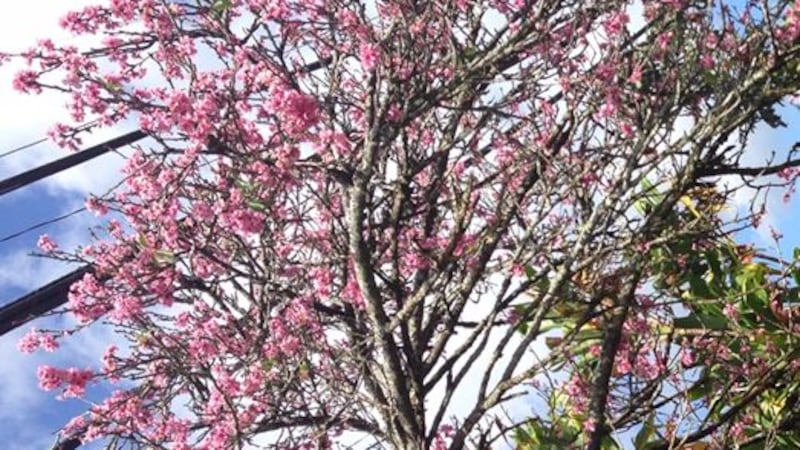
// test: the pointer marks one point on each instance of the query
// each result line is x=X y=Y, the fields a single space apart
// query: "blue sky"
x=30 y=416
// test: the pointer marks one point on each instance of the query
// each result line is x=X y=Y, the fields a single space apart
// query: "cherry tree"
x=359 y=223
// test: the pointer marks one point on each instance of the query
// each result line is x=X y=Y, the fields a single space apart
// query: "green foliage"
x=727 y=294
x=562 y=434
x=221 y=6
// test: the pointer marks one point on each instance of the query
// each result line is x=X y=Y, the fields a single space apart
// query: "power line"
x=15 y=182
x=53 y=294
x=41 y=301
x=78 y=129
x=41 y=224
x=22 y=147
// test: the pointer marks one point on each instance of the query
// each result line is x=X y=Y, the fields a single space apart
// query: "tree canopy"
x=433 y=224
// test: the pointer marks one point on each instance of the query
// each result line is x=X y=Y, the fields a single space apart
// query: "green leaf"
x=698 y=287
x=609 y=443
x=221 y=6
x=750 y=275
x=645 y=433
x=789 y=440
x=652 y=195
x=256 y=205
x=164 y=257
x=796 y=275
x=242 y=184
x=522 y=437
x=701 y=322
x=699 y=391
x=715 y=278
x=112 y=86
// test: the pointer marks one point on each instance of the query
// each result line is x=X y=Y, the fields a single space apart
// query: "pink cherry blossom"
x=46 y=244
x=369 y=54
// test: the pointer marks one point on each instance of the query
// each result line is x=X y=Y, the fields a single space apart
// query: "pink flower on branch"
x=369 y=55
x=46 y=244
x=74 y=380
